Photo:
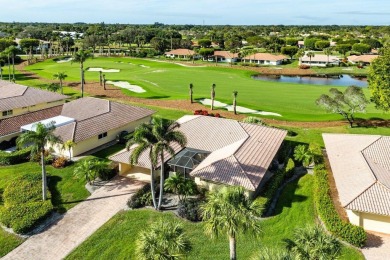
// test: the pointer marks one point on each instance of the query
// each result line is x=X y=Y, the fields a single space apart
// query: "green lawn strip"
x=116 y=239
x=164 y=80
x=8 y=242
x=105 y=153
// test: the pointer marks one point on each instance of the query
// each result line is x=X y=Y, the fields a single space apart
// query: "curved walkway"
x=78 y=223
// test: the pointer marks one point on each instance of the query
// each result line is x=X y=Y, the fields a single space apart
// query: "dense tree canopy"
x=379 y=80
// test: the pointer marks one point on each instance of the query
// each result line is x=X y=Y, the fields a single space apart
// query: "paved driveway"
x=378 y=247
x=78 y=223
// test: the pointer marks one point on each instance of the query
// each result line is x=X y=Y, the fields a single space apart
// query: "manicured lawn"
x=164 y=80
x=116 y=239
x=66 y=191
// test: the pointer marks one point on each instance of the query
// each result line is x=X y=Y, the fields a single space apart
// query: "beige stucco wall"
x=20 y=110
x=368 y=221
x=94 y=141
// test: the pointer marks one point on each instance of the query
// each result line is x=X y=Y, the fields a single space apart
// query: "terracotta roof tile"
x=180 y=52
x=13 y=124
x=16 y=96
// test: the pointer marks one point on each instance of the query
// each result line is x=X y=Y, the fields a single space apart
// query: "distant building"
x=226 y=56
x=264 y=59
x=181 y=54
x=319 y=60
x=364 y=59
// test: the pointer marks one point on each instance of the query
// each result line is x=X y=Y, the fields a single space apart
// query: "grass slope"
x=116 y=239
x=170 y=81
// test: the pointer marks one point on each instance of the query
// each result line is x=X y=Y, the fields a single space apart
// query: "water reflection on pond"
x=334 y=80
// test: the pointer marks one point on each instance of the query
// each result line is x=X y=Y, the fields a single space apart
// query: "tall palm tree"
x=60 y=76
x=166 y=134
x=163 y=240
x=310 y=54
x=313 y=243
x=191 y=92
x=38 y=138
x=230 y=211
x=81 y=56
x=11 y=52
x=212 y=95
x=235 y=92
x=328 y=52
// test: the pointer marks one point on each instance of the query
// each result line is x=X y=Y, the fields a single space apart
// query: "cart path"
x=78 y=223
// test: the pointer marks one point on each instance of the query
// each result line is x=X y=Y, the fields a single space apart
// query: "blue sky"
x=245 y=12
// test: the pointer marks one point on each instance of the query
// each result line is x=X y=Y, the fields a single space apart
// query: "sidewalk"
x=78 y=223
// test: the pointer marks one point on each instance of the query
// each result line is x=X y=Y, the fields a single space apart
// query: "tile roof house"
x=366 y=59
x=226 y=56
x=264 y=59
x=96 y=122
x=180 y=54
x=218 y=152
x=319 y=60
x=361 y=170
x=20 y=105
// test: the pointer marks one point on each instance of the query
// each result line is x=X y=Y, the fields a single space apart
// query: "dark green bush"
x=290 y=168
x=348 y=232
x=23 y=206
x=142 y=198
x=107 y=173
x=16 y=157
x=269 y=190
x=190 y=209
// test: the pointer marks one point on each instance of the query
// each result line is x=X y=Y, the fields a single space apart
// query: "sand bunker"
x=127 y=85
x=143 y=66
x=65 y=60
x=103 y=70
x=239 y=109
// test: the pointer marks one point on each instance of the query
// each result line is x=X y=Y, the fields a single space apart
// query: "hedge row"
x=14 y=157
x=348 y=232
x=23 y=206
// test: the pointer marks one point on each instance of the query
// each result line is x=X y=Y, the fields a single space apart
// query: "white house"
x=264 y=59
x=319 y=60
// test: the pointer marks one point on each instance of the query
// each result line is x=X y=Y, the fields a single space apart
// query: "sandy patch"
x=347 y=69
x=64 y=60
x=143 y=66
x=239 y=109
x=158 y=71
x=103 y=70
x=127 y=85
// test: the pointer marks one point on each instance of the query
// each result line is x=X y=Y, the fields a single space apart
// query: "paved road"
x=78 y=223
x=377 y=246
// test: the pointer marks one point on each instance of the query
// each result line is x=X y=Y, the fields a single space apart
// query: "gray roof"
x=16 y=96
x=95 y=116
x=361 y=169
x=240 y=153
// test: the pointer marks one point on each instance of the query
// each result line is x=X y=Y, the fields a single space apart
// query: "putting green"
x=163 y=80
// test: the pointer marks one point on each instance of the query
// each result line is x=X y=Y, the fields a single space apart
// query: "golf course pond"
x=332 y=80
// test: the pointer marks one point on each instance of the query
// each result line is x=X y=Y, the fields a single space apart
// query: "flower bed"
x=206 y=113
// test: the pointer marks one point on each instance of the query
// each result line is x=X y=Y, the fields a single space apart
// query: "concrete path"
x=78 y=223
x=377 y=246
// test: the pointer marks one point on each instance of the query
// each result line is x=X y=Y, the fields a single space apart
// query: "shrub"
x=304 y=155
x=269 y=191
x=190 y=209
x=142 y=198
x=14 y=157
x=324 y=204
x=253 y=120
x=60 y=162
x=107 y=173
x=23 y=206
x=290 y=168
x=304 y=66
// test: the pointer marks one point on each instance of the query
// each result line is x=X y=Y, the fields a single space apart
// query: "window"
x=102 y=135
x=7 y=113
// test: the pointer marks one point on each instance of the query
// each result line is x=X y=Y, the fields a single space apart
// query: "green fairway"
x=116 y=239
x=163 y=80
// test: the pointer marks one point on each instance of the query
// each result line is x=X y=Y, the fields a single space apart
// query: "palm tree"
x=303 y=154
x=53 y=87
x=212 y=95
x=191 y=92
x=235 y=92
x=38 y=138
x=81 y=56
x=60 y=76
x=11 y=52
x=328 y=52
x=163 y=240
x=165 y=132
x=90 y=168
x=68 y=145
x=266 y=253
x=313 y=243
x=181 y=186
x=230 y=210
x=310 y=54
